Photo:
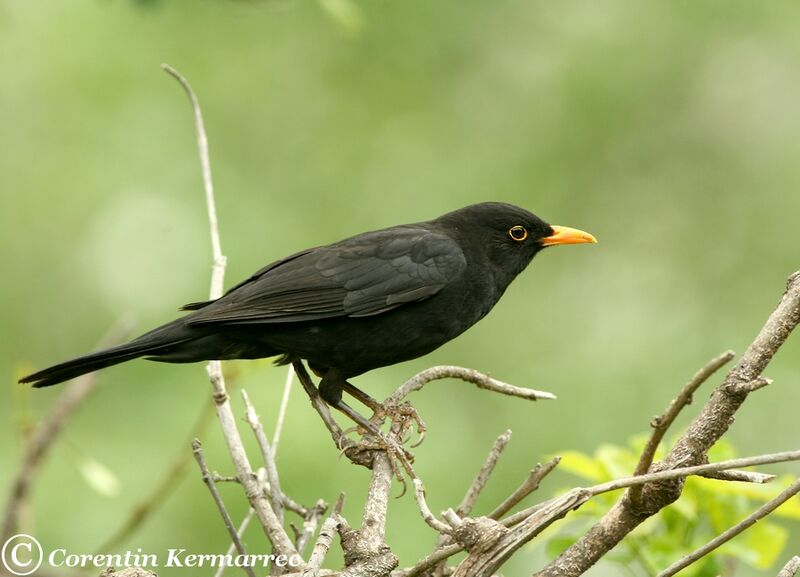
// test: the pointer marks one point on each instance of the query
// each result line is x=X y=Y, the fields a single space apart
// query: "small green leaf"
x=100 y=478
x=766 y=540
x=346 y=13
x=582 y=466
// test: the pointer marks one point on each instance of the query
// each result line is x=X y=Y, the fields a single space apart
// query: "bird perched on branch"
x=365 y=302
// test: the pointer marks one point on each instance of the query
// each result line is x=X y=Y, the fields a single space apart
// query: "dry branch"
x=705 y=430
x=528 y=486
x=729 y=534
x=477 y=378
x=197 y=450
x=489 y=542
x=276 y=496
x=264 y=512
x=791 y=568
x=662 y=423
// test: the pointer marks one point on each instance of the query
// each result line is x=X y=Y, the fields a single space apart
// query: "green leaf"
x=346 y=13
x=767 y=541
x=582 y=466
x=99 y=477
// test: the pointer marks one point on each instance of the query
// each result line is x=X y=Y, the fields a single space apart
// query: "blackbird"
x=365 y=302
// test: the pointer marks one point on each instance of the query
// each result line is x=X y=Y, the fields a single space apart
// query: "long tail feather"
x=154 y=342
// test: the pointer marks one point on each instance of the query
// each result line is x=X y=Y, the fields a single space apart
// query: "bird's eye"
x=518 y=233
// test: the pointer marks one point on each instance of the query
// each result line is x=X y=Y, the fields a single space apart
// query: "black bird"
x=365 y=302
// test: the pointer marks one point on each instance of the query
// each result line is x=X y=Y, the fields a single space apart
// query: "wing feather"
x=361 y=276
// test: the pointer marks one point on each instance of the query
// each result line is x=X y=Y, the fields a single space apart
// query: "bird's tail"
x=157 y=342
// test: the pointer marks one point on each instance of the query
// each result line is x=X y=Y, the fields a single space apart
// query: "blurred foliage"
x=706 y=508
x=668 y=130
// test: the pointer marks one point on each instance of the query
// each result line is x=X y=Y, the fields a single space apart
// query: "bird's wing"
x=361 y=276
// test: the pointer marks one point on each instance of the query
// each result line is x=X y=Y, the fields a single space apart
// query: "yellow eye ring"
x=518 y=233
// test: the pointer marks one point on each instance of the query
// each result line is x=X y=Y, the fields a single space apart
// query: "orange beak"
x=566 y=235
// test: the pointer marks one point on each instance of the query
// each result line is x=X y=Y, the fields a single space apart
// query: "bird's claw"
x=404 y=417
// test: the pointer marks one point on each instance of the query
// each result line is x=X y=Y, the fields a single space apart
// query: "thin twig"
x=729 y=534
x=546 y=512
x=740 y=476
x=791 y=568
x=326 y=535
x=766 y=459
x=528 y=486
x=427 y=515
x=218 y=274
x=749 y=386
x=48 y=430
x=224 y=478
x=431 y=560
x=266 y=516
x=287 y=389
x=474 y=491
x=711 y=423
x=310 y=522
x=662 y=423
x=482 y=380
x=665 y=475
x=197 y=450
x=266 y=453
x=240 y=532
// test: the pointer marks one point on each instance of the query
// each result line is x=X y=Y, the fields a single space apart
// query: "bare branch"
x=666 y=475
x=474 y=491
x=430 y=561
x=47 y=431
x=453 y=518
x=373 y=522
x=791 y=568
x=684 y=398
x=528 y=486
x=326 y=534
x=197 y=450
x=705 y=430
x=493 y=554
x=266 y=516
x=239 y=532
x=748 y=387
x=770 y=458
x=483 y=381
x=218 y=273
x=427 y=515
x=740 y=476
x=266 y=453
x=287 y=389
x=729 y=534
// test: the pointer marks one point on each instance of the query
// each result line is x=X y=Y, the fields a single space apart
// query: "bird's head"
x=508 y=236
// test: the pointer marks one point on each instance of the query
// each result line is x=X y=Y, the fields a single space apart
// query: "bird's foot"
x=404 y=418
x=373 y=438
x=363 y=451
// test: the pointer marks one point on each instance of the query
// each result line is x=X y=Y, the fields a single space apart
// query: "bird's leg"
x=403 y=414
x=330 y=389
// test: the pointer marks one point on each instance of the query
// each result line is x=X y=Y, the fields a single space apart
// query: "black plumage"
x=368 y=301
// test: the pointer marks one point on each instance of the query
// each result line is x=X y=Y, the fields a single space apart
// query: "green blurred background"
x=668 y=130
